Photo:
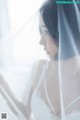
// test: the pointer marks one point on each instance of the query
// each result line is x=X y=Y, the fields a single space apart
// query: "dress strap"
x=48 y=99
x=72 y=102
x=44 y=68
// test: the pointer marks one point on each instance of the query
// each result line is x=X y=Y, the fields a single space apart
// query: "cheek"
x=52 y=47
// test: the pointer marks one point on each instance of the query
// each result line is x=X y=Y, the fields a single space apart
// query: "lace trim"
x=52 y=116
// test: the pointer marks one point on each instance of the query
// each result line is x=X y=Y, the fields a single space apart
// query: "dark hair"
x=49 y=13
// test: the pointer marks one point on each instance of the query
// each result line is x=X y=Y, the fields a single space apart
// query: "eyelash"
x=42 y=32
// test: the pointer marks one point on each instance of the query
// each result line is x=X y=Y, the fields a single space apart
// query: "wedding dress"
x=43 y=111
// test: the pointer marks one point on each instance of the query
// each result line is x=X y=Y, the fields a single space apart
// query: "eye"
x=40 y=31
x=43 y=31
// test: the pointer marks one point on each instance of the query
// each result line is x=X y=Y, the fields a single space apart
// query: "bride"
x=55 y=90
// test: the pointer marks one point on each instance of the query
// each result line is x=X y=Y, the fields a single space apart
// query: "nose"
x=42 y=41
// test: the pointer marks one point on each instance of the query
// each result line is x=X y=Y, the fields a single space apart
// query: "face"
x=47 y=41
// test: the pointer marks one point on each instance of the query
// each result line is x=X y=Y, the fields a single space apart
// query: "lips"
x=47 y=51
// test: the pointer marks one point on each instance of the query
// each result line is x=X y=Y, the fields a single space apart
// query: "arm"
x=11 y=99
x=26 y=110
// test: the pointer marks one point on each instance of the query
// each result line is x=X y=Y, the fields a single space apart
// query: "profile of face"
x=46 y=40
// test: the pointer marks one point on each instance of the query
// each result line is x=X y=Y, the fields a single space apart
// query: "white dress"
x=41 y=111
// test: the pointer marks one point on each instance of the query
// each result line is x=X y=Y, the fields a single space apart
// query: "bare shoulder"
x=37 y=71
x=38 y=68
x=38 y=65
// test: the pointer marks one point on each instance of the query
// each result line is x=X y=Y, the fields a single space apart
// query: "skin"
x=71 y=81
x=47 y=41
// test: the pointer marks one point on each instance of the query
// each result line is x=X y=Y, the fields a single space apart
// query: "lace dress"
x=42 y=111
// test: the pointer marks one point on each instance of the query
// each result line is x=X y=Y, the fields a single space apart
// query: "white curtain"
x=4 y=29
x=19 y=45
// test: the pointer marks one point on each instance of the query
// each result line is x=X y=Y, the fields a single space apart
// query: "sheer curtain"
x=19 y=45
x=22 y=37
x=4 y=28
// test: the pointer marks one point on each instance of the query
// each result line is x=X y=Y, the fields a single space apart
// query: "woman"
x=55 y=89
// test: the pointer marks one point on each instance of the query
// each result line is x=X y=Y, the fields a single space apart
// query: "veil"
x=69 y=50
x=68 y=59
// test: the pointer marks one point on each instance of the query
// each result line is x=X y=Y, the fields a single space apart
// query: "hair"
x=49 y=13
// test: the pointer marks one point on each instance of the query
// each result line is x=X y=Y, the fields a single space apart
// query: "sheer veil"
x=68 y=57
x=69 y=46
